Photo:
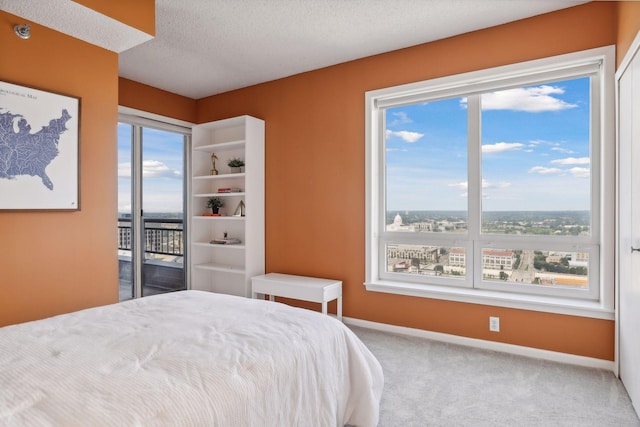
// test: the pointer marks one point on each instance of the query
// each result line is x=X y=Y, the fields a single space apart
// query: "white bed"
x=187 y=358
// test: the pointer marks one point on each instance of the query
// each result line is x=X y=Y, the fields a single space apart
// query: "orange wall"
x=628 y=26
x=140 y=14
x=315 y=179
x=147 y=98
x=56 y=262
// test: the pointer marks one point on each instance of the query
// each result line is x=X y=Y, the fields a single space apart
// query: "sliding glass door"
x=151 y=209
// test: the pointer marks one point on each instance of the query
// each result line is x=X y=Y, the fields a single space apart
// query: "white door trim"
x=628 y=59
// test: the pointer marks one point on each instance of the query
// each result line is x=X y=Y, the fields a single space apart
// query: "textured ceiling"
x=205 y=47
x=78 y=21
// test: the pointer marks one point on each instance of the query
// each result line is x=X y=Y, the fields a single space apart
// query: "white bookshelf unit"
x=227 y=268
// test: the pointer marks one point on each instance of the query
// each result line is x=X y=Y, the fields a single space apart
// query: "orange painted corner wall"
x=315 y=172
x=57 y=262
x=140 y=14
x=628 y=26
x=147 y=98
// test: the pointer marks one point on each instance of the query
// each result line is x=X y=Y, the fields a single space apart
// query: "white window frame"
x=597 y=302
x=139 y=120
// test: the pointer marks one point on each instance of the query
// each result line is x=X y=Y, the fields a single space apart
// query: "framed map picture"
x=39 y=149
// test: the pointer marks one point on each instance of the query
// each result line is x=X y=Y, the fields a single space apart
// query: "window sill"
x=545 y=304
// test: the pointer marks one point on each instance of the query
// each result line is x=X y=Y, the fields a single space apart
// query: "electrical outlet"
x=494 y=324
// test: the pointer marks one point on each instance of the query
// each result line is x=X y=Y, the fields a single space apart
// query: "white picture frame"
x=39 y=149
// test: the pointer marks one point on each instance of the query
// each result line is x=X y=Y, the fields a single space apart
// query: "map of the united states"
x=26 y=153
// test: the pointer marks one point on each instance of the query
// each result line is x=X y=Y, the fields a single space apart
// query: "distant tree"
x=539 y=262
x=503 y=275
x=516 y=264
x=580 y=271
x=439 y=269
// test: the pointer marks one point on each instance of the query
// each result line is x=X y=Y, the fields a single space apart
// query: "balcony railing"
x=163 y=267
x=161 y=236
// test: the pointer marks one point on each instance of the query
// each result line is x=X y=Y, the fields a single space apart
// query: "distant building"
x=457 y=257
x=491 y=258
x=397 y=225
x=401 y=266
x=579 y=259
x=550 y=279
x=423 y=253
x=498 y=259
x=555 y=258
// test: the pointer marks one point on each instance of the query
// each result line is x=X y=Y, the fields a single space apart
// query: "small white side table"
x=299 y=287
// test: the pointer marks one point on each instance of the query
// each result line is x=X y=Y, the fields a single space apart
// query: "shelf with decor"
x=227 y=268
x=210 y=245
x=239 y=175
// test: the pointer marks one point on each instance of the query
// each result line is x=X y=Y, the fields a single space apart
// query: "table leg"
x=324 y=307
x=340 y=308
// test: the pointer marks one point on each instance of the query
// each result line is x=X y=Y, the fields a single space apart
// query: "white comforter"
x=187 y=359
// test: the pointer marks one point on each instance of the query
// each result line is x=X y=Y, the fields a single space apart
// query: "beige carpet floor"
x=430 y=383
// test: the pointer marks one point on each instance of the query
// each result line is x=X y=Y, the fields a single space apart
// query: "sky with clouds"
x=535 y=151
x=162 y=170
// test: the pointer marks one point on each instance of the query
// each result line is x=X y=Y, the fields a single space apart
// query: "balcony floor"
x=158 y=278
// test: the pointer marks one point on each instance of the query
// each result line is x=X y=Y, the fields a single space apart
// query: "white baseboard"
x=536 y=353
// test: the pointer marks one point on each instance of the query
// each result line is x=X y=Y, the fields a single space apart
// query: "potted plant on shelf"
x=215 y=203
x=236 y=164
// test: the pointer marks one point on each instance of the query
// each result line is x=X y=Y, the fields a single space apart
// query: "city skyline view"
x=576 y=223
x=535 y=151
x=162 y=170
x=539 y=266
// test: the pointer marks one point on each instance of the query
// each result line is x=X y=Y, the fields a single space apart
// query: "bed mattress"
x=188 y=358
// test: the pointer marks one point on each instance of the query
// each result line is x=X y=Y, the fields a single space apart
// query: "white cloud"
x=461 y=185
x=571 y=161
x=401 y=118
x=157 y=169
x=562 y=150
x=124 y=170
x=499 y=147
x=150 y=169
x=580 y=172
x=405 y=135
x=532 y=99
x=485 y=184
x=544 y=171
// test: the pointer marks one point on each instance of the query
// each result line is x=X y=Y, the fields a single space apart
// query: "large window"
x=496 y=184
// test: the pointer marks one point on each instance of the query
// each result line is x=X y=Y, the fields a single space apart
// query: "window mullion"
x=137 y=222
x=474 y=186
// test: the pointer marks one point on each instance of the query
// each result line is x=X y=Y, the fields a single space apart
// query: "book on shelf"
x=211 y=214
x=229 y=190
x=225 y=241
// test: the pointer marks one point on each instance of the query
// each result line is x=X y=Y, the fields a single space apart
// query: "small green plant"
x=235 y=162
x=215 y=203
